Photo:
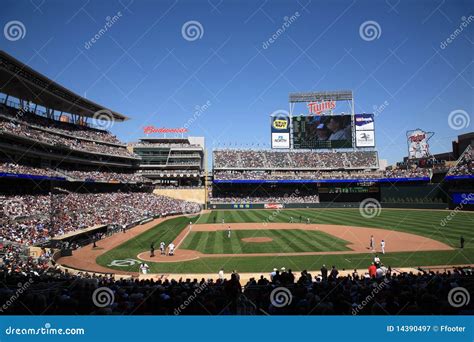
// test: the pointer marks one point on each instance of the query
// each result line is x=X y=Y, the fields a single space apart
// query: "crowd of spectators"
x=31 y=219
x=77 y=175
x=15 y=259
x=54 y=292
x=318 y=175
x=264 y=159
x=465 y=165
x=76 y=130
x=41 y=135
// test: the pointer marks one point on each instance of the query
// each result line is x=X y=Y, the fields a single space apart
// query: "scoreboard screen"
x=322 y=132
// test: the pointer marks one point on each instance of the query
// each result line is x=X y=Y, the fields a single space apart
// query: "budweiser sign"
x=321 y=107
x=152 y=129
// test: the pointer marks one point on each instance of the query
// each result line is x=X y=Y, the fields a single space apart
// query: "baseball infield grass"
x=287 y=241
x=444 y=226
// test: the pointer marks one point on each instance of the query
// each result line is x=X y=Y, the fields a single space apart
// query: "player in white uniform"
x=228 y=232
x=372 y=243
x=144 y=268
x=162 y=248
x=382 y=246
x=171 y=249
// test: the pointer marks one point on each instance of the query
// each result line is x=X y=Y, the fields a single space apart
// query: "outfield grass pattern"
x=421 y=222
x=283 y=241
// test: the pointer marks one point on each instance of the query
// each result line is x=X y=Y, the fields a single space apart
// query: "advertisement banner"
x=365 y=139
x=273 y=206
x=280 y=140
x=280 y=132
x=364 y=122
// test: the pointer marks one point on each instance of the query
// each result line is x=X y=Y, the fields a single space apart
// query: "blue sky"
x=144 y=67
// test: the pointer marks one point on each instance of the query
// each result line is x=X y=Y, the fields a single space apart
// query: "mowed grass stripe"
x=219 y=241
x=287 y=240
x=191 y=241
x=211 y=237
x=302 y=239
x=329 y=242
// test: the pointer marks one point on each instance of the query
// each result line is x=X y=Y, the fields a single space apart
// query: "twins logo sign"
x=418 y=146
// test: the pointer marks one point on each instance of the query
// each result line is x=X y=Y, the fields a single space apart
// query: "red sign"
x=152 y=129
x=320 y=107
x=417 y=138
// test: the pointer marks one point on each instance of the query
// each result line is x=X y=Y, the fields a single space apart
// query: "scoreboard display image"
x=322 y=132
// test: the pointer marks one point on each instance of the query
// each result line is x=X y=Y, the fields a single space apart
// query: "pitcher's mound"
x=257 y=239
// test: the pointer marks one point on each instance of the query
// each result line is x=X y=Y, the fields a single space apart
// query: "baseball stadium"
x=307 y=223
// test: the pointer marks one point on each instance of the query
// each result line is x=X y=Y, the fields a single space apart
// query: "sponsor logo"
x=273 y=206
x=280 y=138
x=152 y=129
x=280 y=124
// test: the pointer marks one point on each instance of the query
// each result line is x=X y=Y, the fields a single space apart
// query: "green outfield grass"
x=283 y=241
x=422 y=222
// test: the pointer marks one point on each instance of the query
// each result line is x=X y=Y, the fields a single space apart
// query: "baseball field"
x=259 y=240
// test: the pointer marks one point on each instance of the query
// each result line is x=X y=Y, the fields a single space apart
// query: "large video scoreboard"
x=332 y=131
x=322 y=131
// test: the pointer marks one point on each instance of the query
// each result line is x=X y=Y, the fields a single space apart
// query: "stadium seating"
x=39 y=134
x=465 y=164
x=30 y=220
x=247 y=159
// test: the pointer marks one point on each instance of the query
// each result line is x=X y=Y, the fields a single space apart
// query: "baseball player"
x=171 y=249
x=372 y=243
x=190 y=225
x=382 y=246
x=228 y=232
x=152 y=249
x=162 y=248
x=144 y=268
x=291 y=219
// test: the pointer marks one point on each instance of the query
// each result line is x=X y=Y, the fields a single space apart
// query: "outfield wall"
x=324 y=205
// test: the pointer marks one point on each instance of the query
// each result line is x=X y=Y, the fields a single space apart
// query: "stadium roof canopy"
x=340 y=95
x=19 y=80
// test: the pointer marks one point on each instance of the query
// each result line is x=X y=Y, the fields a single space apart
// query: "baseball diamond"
x=341 y=236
